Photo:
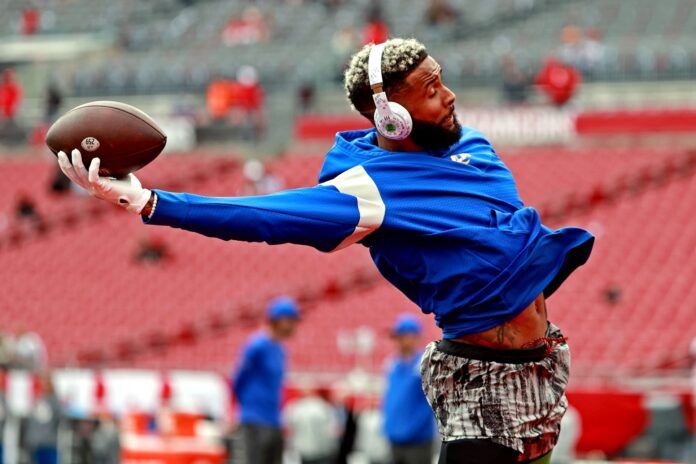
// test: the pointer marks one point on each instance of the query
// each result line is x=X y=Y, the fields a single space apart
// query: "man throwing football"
x=442 y=218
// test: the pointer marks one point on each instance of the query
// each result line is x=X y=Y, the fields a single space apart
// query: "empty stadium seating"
x=649 y=327
x=141 y=296
x=95 y=303
x=646 y=247
x=31 y=179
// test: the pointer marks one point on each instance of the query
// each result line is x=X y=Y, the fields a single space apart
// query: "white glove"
x=125 y=192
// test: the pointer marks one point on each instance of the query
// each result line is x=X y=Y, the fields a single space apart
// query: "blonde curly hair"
x=400 y=57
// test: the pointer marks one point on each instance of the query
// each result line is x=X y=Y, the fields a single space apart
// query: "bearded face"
x=436 y=136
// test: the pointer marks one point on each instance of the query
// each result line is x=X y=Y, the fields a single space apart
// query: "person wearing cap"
x=408 y=419
x=258 y=382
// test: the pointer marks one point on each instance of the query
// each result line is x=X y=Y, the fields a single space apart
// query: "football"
x=123 y=137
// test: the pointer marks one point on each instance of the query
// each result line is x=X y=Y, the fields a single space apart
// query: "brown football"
x=124 y=138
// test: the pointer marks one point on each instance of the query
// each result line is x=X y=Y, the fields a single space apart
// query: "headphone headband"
x=374 y=72
x=374 y=67
x=391 y=119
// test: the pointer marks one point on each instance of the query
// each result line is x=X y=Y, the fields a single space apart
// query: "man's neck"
x=406 y=145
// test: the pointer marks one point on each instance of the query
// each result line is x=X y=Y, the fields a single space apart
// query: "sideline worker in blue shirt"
x=408 y=420
x=258 y=384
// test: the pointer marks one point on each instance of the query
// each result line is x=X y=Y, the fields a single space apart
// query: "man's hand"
x=124 y=192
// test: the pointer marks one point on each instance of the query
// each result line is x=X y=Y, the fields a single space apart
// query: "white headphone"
x=392 y=120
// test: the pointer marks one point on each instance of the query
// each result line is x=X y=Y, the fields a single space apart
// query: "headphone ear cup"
x=394 y=126
x=405 y=117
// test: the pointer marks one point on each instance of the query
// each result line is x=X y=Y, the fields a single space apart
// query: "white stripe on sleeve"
x=358 y=183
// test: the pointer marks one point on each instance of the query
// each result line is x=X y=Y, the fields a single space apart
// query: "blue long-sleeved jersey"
x=258 y=381
x=408 y=418
x=447 y=227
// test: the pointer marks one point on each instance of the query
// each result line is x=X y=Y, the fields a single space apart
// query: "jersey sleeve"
x=328 y=217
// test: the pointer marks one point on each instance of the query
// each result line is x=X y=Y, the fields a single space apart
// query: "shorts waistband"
x=483 y=353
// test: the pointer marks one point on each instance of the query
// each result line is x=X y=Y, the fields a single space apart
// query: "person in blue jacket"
x=444 y=223
x=257 y=384
x=409 y=424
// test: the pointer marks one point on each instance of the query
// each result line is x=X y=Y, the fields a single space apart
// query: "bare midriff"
x=521 y=332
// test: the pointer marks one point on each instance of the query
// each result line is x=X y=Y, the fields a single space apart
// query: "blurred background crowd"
x=235 y=52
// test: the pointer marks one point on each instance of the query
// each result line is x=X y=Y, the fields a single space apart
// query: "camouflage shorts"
x=515 y=398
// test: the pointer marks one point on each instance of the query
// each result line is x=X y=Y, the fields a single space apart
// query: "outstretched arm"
x=328 y=216
x=319 y=216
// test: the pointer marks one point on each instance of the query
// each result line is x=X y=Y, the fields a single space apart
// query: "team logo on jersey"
x=463 y=158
